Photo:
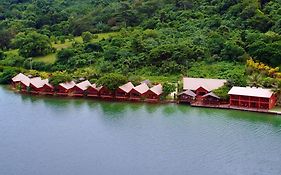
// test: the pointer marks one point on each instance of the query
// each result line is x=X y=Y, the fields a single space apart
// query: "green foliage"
x=168 y=88
x=87 y=37
x=6 y=75
x=112 y=81
x=32 y=44
x=222 y=92
x=59 y=77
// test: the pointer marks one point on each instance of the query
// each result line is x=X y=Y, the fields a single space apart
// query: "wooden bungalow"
x=154 y=93
x=20 y=80
x=138 y=92
x=202 y=86
x=47 y=88
x=122 y=93
x=187 y=96
x=64 y=88
x=254 y=98
x=79 y=89
x=93 y=91
x=210 y=99
x=36 y=85
x=105 y=93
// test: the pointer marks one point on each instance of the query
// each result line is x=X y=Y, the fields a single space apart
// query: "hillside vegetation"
x=200 y=38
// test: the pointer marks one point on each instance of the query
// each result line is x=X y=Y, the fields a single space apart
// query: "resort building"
x=21 y=80
x=202 y=86
x=137 y=93
x=123 y=91
x=187 y=96
x=47 y=88
x=154 y=93
x=255 y=98
x=37 y=84
x=105 y=93
x=64 y=88
x=210 y=99
x=93 y=91
x=80 y=88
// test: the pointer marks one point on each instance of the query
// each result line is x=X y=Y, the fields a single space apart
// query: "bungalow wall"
x=92 y=92
x=183 y=98
x=135 y=95
x=201 y=91
x=210 y=100
x=62 y=91
x=149 y=95
x=105 y=93
x=120 y=94
x=76 y=91
x=253 y=102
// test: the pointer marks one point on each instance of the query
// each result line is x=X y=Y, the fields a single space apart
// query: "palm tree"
x=255 y=80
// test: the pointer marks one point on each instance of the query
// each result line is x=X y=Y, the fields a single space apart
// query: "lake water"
x=52 y=136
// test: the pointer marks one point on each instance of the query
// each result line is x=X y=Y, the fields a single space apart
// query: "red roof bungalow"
x=202 y=86
x=211 y=99
x=154 y=93
x=105 y=93
x=79 y=89
x=64 y=88
x=47 y=88
x=187 y=96
x=138 y=92
x=255 y=98
x=36 y=85
x=20 y=80
x=93 y=91
x=123 y=91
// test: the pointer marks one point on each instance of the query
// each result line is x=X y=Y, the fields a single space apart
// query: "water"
x=51 y=136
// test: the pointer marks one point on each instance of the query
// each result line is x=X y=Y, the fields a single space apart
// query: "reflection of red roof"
x=157 y=89
x=208 y=84
x=251 y=92
x=67 y=85
x=127 y=87
x=142 y=88
x=84 y=85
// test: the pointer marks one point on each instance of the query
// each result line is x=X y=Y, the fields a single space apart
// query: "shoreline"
x=224 y=107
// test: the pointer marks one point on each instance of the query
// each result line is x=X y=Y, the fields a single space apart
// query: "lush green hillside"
x=152 y=37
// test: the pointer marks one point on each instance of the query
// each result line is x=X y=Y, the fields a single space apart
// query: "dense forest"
x=199 y=38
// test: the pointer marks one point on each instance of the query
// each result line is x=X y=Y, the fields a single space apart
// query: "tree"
x=59 y=77
x=6 y=75
x=222 y=92
x=64 y=55
x=168 y=88
x=255 y=80
x=112 y=81
x=32 y=44
x=87 y=37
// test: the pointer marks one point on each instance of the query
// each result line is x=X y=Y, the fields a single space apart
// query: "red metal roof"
x=208 y=84
x=142 y=88
x=127 y=87
x=158 y=90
